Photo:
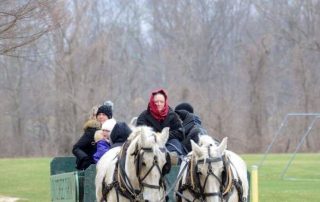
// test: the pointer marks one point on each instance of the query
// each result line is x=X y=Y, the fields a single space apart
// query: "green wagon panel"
x=68 y=185
x=64 y=187
x=62 y=165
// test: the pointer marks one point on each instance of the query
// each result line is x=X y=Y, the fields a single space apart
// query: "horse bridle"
x=195 y=187
x=201 y=189
x=125 y=185
x=139 y=163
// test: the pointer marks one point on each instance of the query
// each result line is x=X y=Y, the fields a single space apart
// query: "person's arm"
x=176 y=130
x=83 y=159
x=102 y=147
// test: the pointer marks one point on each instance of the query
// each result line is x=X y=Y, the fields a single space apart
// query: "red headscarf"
x=158 y=115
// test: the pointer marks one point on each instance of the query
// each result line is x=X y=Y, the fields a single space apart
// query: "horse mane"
x=137 y=131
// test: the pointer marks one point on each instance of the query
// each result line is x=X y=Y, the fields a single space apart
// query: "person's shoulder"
x=144 y=112
x=91 y=123
x=197 y=119
x=182 y=113
x=172 y=113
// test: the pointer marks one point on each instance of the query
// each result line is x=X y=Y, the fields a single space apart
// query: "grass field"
x=28 y=178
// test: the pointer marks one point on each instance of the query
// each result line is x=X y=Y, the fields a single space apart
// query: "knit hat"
x=109 y=103
x=184 y=106
x=120 y=133
x=109 y=124
x=105 y=109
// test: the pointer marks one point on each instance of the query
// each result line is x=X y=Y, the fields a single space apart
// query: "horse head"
x=213 y=174
x=146 y=158
x=206 y=169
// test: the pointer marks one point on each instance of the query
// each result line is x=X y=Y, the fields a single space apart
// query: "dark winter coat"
x=172 y=121
x=192 y=127
x=176 y=134
x=86 y=146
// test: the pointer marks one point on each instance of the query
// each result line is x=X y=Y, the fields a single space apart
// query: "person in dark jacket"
x=158 y=116
x=191 y=124
x=187 y=107
x=86 y=146
x=119 y=134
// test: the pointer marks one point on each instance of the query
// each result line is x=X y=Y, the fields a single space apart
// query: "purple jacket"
x=102 y=147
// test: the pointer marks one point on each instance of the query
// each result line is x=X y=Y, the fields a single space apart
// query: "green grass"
x=29 y=178
x=301 y=182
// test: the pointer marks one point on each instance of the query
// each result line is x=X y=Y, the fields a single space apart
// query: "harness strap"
x=233 y=182
x=114 y=184
x=227 y=184
x=229 y=179
x=121 y=181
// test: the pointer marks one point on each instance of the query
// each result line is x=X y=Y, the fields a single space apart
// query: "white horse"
x=212 y=174
x=133 y=172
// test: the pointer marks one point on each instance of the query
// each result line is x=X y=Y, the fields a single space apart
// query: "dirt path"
x=8 y=199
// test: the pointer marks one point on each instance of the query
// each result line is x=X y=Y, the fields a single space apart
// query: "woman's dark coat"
x=172 y=121
x=86 y=146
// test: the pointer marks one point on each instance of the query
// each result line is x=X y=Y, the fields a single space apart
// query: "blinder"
x=138 y=153
x=198 y=187
x=167 y=166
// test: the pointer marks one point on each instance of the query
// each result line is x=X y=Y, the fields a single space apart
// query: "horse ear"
x=133 y=122
x=195 y=148
x=223 y=145
x=163 y=138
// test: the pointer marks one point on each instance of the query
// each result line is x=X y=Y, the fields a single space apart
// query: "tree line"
x=243 y=65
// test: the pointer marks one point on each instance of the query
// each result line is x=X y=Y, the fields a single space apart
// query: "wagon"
x=70 y=185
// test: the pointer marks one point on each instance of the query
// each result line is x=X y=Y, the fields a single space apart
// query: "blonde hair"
x=93 y=112
x=98 y=135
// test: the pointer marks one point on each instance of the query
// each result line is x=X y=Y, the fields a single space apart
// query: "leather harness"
x=227 y=182
x=121 y=182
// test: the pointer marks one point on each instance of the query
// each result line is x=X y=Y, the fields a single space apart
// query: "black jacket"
x=86 y=146
x=188 y=120
x=172 y=121
x=192 y=127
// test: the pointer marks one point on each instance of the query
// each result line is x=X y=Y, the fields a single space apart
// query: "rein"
x=193 y=183
x=138 y=154
x=121 y=181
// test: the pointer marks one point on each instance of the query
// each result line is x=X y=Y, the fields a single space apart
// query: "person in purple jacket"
x=102 y=139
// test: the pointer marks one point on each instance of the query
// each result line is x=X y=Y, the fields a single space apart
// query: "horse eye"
x=144 y=164
x=199 y=172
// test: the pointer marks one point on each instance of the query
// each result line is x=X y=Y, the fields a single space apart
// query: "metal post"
x=298 y=146
x=254 y=183
x=274 y=139
x=285 y=120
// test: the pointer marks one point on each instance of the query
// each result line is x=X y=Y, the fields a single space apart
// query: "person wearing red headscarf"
x=159 y=115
